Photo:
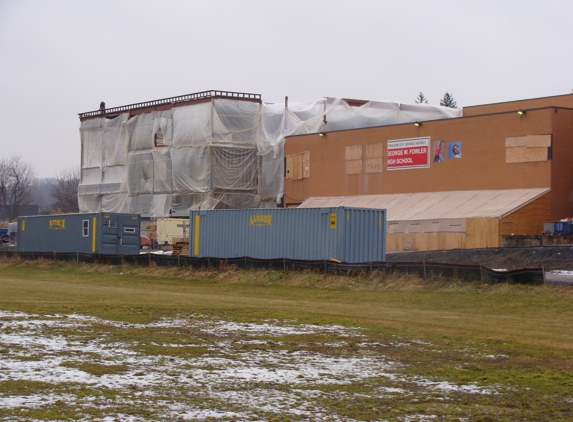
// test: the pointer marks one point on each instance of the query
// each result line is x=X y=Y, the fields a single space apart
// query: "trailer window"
x=129 y=230
x=111 y=224
x=86 y=228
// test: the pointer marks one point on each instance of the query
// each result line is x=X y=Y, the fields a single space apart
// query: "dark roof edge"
x=188 y=98
x=517 y=101
x=474 y=116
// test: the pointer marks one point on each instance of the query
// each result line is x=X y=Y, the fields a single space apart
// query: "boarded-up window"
x=353 y=159
x=297 y=166
x=374 y=158
x=159 y=140
x=527 y=149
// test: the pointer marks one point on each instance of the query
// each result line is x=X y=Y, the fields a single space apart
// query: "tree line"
x=446 y=101
x=19 y=188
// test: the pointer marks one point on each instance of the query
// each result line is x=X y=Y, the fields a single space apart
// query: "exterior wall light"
x=322 y=134
x=417 y=124
x=521 y=112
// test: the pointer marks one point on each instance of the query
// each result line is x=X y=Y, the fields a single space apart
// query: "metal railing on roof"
x=174 y=100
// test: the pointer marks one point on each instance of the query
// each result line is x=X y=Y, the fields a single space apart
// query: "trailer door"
x=109 y=235
x=128 y=233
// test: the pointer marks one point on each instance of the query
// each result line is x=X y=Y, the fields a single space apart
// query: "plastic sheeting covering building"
x=209 y=150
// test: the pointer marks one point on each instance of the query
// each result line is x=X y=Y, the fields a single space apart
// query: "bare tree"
x=16 y=184
x=65 y=191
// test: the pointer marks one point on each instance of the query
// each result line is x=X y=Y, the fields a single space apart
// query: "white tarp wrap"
x=193 y=169
x=222 y=153
x=192 y=125
x=115 y=141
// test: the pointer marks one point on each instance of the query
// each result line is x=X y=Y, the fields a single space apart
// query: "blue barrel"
x=563 y=227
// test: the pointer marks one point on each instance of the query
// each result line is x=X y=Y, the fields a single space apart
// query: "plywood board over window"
x=353 y=159
x=527 y=149
x=353 y=152
x=297 y=166
x=373 y=162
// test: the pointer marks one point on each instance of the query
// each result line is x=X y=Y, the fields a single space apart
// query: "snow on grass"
x=225 y=383
x=561 y=272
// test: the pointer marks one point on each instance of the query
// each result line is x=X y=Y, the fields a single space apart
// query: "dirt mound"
x=549 y=257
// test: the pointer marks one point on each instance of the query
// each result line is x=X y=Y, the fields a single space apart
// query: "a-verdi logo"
x=57 y=224
x=260 y=220
x=333 y=221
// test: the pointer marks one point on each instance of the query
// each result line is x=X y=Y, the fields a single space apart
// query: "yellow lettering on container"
x=57 y=224
x=260 y=220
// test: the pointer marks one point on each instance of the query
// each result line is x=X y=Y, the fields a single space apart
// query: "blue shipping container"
x=343 y=234
x=563 y=227
x=100 y=233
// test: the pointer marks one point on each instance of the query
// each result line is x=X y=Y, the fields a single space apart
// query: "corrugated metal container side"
x=345 y=234
x=563 y=227
x=100 y=233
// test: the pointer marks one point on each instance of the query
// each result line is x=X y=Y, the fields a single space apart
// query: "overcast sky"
x=62 y=57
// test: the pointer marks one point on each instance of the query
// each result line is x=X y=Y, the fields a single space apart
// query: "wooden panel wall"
x=426 y=241
x=374 y=162
x=528 y=219
x=482 y=233
x=298 y=166
x=527 y=149
x=353 y=159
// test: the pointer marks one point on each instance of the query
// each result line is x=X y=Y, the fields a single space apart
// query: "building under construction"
x=210 y=150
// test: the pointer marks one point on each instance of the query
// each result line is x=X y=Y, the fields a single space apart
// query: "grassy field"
x=97 y=342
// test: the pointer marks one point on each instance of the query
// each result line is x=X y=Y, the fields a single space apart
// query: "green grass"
x=532 y=315
x=516 y=339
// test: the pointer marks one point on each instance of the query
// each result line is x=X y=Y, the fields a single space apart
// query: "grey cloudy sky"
x=62 y=57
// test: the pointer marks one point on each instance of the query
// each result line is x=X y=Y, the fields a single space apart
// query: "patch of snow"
x=240 y=383
x=560 y=272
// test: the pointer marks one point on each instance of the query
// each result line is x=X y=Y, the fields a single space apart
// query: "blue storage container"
x=344 y=234
x=100 y=233
x=563 y=228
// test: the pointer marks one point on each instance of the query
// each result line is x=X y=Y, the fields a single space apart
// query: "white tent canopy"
x=437 y=205
x=435 y=211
